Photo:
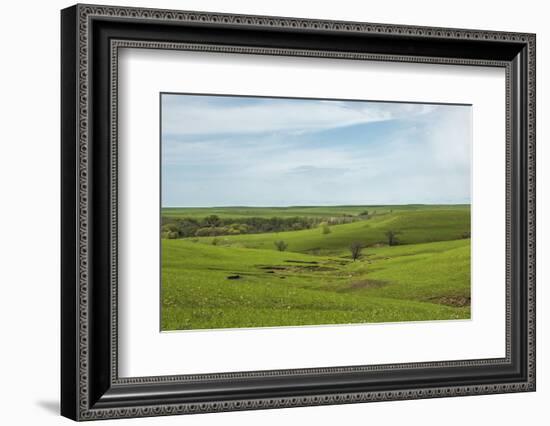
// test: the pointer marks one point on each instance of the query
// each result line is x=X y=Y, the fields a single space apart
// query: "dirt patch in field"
x=455 y=301
x=313 y=268
x=364 y=284
x=295 y=268
x=273 y=267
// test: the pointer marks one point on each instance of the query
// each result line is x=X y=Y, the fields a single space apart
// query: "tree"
x=211 y=231
x=364 y=213
x=392 y=237
x=355 y=249
x=212 y=220
x=170 y=230
x=325 y=228
x=187 y=226
x=281 y=245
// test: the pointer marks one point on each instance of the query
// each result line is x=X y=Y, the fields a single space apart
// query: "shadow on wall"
x=50 y=406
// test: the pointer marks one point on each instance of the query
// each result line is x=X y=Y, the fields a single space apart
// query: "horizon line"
x=315 y=205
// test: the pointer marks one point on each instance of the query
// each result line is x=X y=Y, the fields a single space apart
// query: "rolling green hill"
x=413 y=226
x=244 y=281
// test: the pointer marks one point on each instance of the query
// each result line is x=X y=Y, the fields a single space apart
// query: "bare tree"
x=355 y=249
x=281 y=245
x=392 y=237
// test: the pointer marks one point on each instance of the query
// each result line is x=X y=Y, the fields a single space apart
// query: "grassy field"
x=233 y=281
x=310 y=211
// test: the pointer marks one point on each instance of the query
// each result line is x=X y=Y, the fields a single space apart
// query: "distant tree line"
x=213 y=225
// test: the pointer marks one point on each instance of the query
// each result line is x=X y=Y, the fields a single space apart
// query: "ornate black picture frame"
x=91 y=37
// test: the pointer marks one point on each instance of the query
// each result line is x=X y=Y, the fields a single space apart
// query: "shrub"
x=281 y=245
x=237 y=228
x=170 y=231
x=392 y=237
x=185 y=227
x=211 y=232
x=212 y=220
x=325 y=228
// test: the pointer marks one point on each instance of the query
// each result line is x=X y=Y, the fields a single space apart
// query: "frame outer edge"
x=82 y=141
x=531 y=200
x=83 y=12
x=69 y=221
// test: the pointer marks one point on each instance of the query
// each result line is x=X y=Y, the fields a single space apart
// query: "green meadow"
x=337 y=265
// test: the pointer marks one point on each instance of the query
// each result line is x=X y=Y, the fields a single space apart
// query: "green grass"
x=425 y=278
x=414 y=226
x=307 y=211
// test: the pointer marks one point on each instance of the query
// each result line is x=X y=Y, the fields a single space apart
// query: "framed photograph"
x=263 y=212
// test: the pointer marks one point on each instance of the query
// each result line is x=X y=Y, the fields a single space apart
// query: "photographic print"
x=292 y=211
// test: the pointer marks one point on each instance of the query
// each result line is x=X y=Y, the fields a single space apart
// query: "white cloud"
x=425 y=158
x=191 y=115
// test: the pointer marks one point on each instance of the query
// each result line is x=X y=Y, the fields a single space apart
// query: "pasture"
x=246 y=280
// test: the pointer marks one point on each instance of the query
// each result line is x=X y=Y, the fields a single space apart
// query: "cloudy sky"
x=243 y=151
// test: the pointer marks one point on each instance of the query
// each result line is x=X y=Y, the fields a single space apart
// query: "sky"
x=252 y=151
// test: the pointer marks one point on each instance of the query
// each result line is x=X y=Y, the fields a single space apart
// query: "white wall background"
x=29 y=225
